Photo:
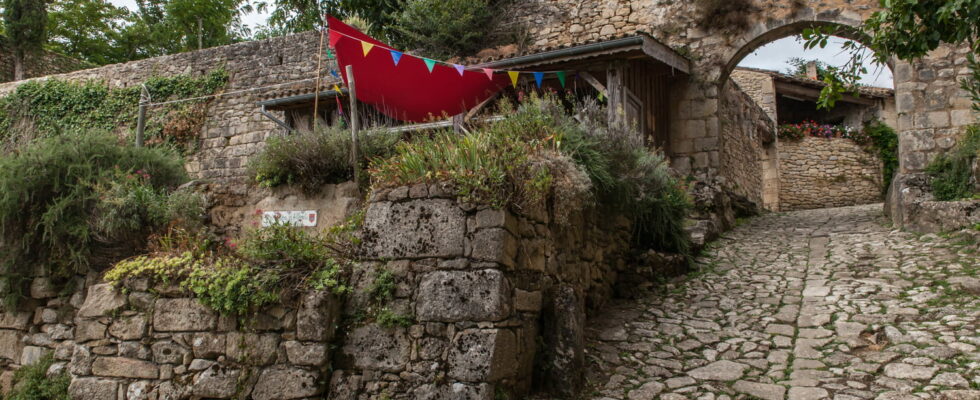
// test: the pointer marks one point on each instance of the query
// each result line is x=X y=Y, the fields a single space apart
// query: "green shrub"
x=268 y=265
x=541 y=152
x=313 y=159
x=951 y=174
x=32 y=383
x=52 y=107
x=63 y=206
x=444 y=28
x=883 y=141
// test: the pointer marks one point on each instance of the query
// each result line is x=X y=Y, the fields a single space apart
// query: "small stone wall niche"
x=819 y=173
x=498 y=299
x=143 y=343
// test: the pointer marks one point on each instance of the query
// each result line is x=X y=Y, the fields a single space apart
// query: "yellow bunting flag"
x=337 y=89
x=366 y=47
x=513 y=77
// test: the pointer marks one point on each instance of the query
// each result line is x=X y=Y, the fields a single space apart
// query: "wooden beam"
x=615 y=74
x=666 y=55
x=594 y=82
x=790 y=89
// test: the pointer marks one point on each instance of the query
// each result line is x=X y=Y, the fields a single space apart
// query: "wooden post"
x=355 y=124
x=614 y=85
x=141 y=116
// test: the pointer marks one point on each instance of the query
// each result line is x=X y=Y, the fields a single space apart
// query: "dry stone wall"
x=234 y=130
x=818 y=172
x=142 y=342
x=746 y=131
x=482 y=285
x=489 y=302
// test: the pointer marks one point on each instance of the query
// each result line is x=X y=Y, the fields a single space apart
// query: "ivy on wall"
x=53 y=107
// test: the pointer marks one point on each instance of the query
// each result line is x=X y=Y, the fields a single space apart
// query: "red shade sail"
x=406 y=87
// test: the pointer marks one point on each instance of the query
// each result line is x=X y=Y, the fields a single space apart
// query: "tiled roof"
x=867 y=91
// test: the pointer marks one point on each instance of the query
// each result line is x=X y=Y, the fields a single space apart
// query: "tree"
x=444 y=28
x=25 y=23
x=907 y=30
x=90 y=30
x=293 y=16
x=171 y=26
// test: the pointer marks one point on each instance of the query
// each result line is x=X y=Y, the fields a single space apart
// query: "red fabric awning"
x=408 y=91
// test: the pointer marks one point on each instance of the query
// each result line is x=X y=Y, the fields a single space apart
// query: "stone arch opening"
x=810 y=172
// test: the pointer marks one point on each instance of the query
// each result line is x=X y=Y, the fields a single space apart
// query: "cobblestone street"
x=821 y=304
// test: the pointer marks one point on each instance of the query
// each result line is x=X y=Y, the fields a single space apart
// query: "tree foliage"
x=905 y=29
x=292 y=16
x=90 y=30
x=25 y=26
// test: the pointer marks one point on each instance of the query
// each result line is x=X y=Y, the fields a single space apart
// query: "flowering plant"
x=803 y=129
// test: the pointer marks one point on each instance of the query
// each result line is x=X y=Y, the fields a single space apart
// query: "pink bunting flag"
x=489 y=73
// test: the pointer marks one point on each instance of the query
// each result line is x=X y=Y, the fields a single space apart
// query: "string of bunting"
x=396 y=57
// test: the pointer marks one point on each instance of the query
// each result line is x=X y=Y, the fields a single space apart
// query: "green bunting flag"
x=561 y=77
x=429 y=63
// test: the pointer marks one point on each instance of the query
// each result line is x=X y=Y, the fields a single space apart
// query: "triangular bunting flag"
x=429 y=63
x=337 y=89
x=513 y=77
x=366 y=46
x=538 y=77
x=334 y=73
x=489 y=73
x=459 y=68
x=329 y=54
x=396 y=56
x=561 y=77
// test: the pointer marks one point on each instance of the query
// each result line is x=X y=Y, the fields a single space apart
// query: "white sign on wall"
x=295 y=218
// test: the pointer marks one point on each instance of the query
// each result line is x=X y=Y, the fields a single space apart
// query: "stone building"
x=484 y=285
x=818 y=172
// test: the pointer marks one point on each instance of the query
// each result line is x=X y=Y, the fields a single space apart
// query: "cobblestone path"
x=822 y=304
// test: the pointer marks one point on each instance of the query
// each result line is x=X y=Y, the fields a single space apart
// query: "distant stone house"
x=818 y=172
x=790 y=99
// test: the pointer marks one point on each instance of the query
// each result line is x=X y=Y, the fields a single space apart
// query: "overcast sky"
x=774 y=56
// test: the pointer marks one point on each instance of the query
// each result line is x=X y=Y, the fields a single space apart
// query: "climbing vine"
x=54 y=107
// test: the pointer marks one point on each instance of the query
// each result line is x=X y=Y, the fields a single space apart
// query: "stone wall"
x=44 y=63
x=746 y=132
x=482 y=285
x=159 y=343
x=495 y=302
x=819 y=172
x=234 y=129
x=759 y=87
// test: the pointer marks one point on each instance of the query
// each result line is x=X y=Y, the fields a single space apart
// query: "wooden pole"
x=355 y=123
x=141 y=116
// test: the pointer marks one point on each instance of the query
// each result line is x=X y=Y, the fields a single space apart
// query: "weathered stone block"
x=217 y=382
x=31 y=354
x=308 y=354
x=11 y=345
x=92 y=389
x=208 y=345
x=453 y=296
x=483 y=355
x=375 y=348
x=496 y=245
x=125 y=368
x=129 y=328
x=86 y=330
x=14 y=320
x=43 y=288
x=176 y=315
x=101 y=300
x=454 y=391
x=414 y=229
x=252 y=348
x=168 y=352
x=282 y=383
x=316 y=319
